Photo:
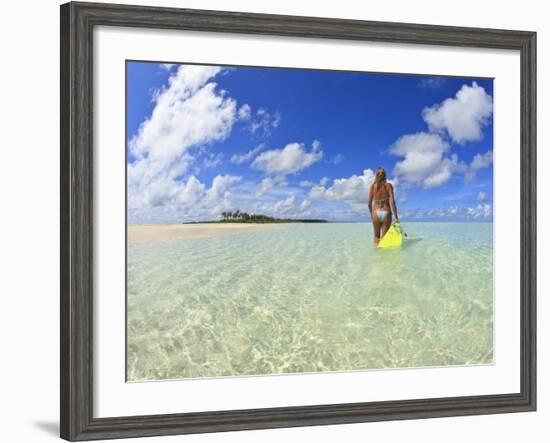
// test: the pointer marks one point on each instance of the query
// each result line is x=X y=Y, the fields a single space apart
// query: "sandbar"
x=149 y=233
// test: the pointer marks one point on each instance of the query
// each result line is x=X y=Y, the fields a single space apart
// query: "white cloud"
x=168 y=201
x=167 y=66
x=305 y=204
x=482 y=161
x=353 y=190
x=463 y=116
x=221 y=185
x=431 y=82
x=265 y=185
x=213 y=159
x=444 y=172
x=291 y=159
x=337 y=159
x=427 y=164
x=421 y=142
x=309 y=183
x=478 y=162
x=190 y=112
x=425 y=161
x=244 y=112
x=285 y=205
x=264 y=122
x=164 y=190
x=480 y=211
x=269 y=183
x=482 y=196
x=239 y=159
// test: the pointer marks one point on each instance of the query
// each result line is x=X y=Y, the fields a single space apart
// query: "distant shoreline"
x=149 y=233
x=258 y=222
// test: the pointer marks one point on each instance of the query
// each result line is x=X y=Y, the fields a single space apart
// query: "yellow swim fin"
x=393 y=237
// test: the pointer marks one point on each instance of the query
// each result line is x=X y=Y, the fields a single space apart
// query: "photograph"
x=284 y=220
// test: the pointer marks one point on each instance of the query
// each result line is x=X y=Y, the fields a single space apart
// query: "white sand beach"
x=147 y=233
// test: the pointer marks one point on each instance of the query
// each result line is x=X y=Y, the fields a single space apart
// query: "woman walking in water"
x=381 y=193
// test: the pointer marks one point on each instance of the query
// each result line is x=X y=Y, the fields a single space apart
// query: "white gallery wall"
x=29 y=249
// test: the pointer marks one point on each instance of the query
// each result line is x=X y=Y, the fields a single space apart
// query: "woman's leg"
x=376 y=226
x=385 y=225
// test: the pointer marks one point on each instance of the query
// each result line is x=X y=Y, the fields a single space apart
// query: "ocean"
x=305 y=298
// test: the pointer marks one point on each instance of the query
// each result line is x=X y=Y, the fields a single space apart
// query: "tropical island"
x=243 y=217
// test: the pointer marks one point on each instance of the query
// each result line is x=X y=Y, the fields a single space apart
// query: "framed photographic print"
x=273 y=221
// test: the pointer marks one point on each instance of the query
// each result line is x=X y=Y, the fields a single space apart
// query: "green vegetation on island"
x=244 y=217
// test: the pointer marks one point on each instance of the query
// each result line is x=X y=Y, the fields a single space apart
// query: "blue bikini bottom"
x=381 y=214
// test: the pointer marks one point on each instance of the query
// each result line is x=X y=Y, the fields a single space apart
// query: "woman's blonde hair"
x=379 y=177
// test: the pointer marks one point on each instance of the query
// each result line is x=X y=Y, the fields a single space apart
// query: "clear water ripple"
x=310 y=298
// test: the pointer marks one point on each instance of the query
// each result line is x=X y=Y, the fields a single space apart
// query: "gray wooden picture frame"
x=77 y=24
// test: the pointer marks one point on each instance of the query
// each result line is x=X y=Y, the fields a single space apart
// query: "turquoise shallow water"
x=308 y=298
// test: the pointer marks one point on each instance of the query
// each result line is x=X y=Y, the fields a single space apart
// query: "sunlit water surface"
x=310 y=297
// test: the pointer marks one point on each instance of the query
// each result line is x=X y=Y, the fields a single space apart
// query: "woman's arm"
x=392 y=201
x=370 y=200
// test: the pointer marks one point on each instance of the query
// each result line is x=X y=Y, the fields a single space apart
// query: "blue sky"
x=304 y=143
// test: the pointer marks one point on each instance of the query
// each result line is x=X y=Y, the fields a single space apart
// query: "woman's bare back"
x=381 y=196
